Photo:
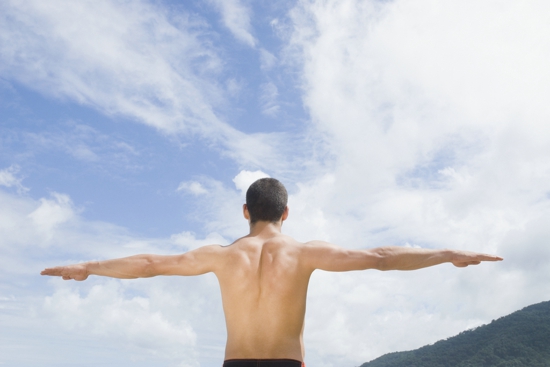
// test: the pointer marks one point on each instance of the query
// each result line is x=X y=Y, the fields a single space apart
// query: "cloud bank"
x=437 y=131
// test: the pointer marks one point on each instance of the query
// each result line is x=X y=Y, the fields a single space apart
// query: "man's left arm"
x=200 y=261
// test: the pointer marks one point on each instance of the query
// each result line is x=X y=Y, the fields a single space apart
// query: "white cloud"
x=81 y=142
x=108 y=313
x=189 y=241
x=121 y=58
x=396 y=128
x=8 y=178
x=160 y=319
x=268 y=99
x=125 y=59
x=271 y=151
x=52 y=212
x=435 y=135
x=220 y=210
x=194 y=187
x=234 y=87
x=267 y=59
x=132 y=60
x=246 y=178
x=236 y=17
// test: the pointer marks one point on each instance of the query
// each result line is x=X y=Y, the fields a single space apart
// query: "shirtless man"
x=264 y=277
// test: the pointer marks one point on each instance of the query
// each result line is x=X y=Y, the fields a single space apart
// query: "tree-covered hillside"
x=519 y=339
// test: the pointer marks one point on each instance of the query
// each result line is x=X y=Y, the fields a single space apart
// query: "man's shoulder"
x=316 y=244
x=281 y=240
x=285 y=241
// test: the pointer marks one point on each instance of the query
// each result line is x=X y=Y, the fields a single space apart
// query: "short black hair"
x=266 y=200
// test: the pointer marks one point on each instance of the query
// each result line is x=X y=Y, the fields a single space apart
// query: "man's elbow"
x=376 y=260
x=149 y=267
x=379 y=258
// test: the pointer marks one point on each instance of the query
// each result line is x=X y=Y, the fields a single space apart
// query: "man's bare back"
x=264 y=278
x=263 y=281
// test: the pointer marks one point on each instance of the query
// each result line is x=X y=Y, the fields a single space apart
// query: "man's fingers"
x=56 y=272
x=52 y=271
x=490 y=258
x=475 y=259
x=69 y=272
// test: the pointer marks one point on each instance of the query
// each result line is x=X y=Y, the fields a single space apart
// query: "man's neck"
x=265 y=229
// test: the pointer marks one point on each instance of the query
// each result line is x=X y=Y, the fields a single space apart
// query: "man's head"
x=266 y=200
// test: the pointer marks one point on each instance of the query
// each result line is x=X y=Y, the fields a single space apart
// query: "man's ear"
x=246 y=214
x=285 y=213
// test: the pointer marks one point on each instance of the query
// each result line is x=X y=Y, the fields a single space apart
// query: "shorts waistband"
x=279 y=362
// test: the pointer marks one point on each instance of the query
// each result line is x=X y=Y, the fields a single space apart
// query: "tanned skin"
x=263 y=279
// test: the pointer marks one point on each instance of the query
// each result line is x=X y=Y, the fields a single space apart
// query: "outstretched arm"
x=196 y=262
x=326 y=256
x=406 y=258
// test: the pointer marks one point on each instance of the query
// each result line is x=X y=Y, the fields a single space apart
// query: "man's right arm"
x=329 y=257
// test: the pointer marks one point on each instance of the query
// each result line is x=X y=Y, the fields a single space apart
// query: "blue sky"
x=121 y=171
x=131 y=127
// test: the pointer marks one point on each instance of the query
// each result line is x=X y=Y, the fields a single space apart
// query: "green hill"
x=519 y=339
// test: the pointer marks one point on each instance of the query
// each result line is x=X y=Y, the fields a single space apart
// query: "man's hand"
x=77 y=272
x=462 y=259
